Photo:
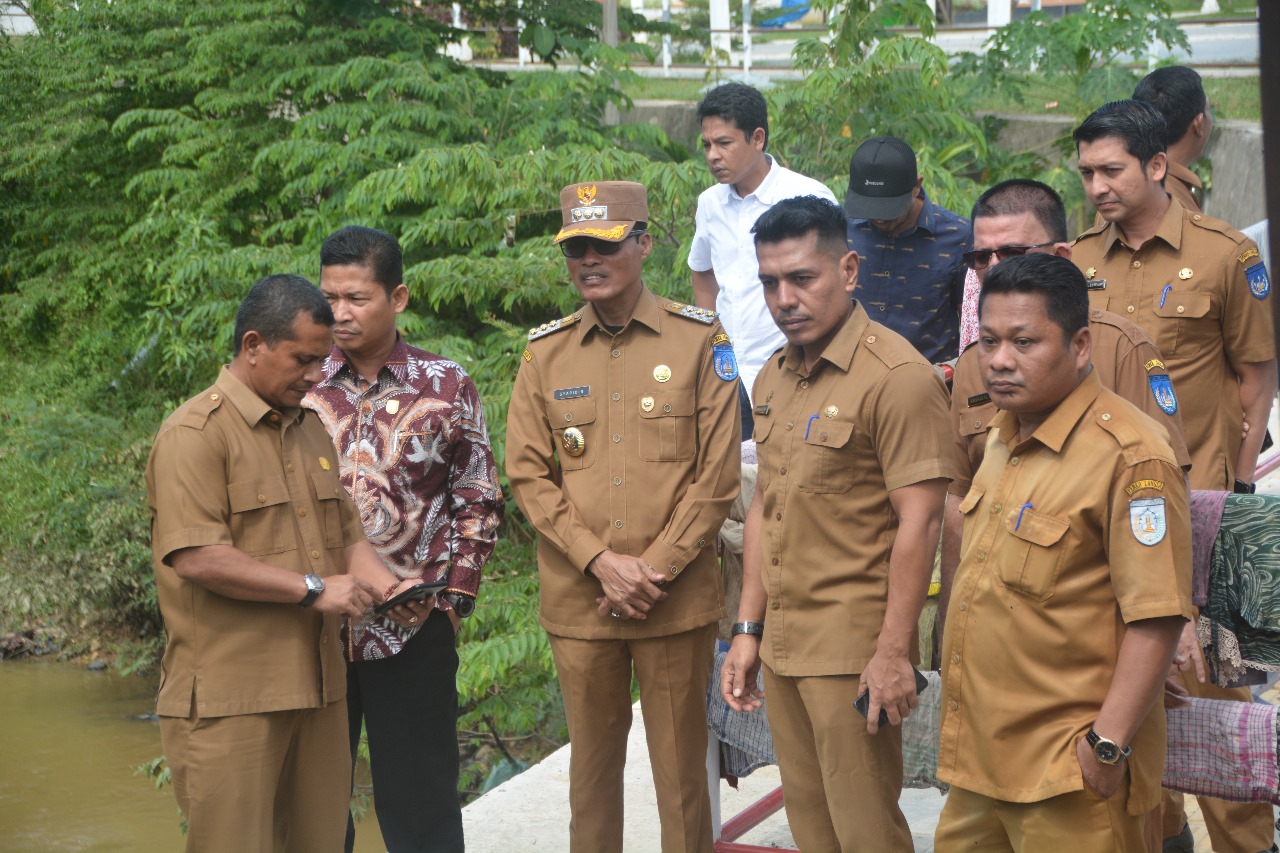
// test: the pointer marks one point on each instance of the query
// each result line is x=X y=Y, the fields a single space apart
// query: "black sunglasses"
x=576 y=247
x=979 y=258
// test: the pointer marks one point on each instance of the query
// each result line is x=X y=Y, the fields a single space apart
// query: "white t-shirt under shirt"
x=723 y=243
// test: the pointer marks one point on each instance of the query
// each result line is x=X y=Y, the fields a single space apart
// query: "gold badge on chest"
x=575 y=444
x=831 y=412
x=1185 y=273
x=646 y=404
x=662 y=373
x=393 y=406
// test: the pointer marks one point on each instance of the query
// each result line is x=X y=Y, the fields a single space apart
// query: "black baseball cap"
x=882 y=175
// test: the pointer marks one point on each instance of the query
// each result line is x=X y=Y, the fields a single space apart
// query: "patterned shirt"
x=914 y=282
x=414 y=453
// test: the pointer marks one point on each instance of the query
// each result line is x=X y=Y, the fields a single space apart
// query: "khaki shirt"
x=1183 y=185
x=1187 y=289
x=658 y=468
x=1124 y=360
x=869 y=418
x=227 y=469
x=1051 y=572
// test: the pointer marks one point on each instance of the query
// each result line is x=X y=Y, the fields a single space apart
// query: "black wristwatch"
x=315 y=586
x=1243 y=488
x=463 y=605
x=755 y=629
x=1107 y=751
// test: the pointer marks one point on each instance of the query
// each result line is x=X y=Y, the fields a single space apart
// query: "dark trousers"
x=409 y=704
x=744 y=404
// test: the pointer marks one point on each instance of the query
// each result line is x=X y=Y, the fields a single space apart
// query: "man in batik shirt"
x=414 y=454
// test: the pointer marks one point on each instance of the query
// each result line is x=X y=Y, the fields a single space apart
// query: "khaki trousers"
x=1233 y=827
x=840 y=785
x=595 y=679
x=258 y=783
x=1078 y=822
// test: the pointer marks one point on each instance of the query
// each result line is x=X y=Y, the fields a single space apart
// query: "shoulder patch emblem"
x=1155 y=362
x=1247 y=254
x=693 y=312
x=554 y=326
x=1157 y=485
x=1162 y=390
x=720 y=338
x=1147 y=520
x=1259 y=284
x=726 y=363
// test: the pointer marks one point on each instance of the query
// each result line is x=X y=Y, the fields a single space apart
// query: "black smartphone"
x=863 y=702
x=418 y=592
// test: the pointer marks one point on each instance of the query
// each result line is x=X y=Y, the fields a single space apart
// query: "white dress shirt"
x=723 y=243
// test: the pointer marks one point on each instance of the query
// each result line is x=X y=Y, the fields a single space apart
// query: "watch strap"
x=755 y=629
x=315 y=586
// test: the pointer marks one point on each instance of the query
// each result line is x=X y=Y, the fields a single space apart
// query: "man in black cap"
x=911 y=276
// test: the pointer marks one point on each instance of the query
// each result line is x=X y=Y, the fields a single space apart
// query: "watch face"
x=314 y=583
x=1107 y=752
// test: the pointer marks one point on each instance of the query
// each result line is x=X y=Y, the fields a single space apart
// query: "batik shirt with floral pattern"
x=414 y=454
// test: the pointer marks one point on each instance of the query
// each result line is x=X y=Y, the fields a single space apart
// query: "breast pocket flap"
x=327 y=485
x=1185 y=305
x=256 y=494
x=830 y=434
x=667 y=406
x=1043 y=530
x=567 y=413
x=971 y=500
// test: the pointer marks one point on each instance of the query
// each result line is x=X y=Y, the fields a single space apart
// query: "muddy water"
x=68 y=746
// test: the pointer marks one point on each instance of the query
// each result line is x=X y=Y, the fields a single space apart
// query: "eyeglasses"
x=576 y=247
x=979 y=258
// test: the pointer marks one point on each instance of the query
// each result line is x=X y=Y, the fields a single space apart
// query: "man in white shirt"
x=735 y=131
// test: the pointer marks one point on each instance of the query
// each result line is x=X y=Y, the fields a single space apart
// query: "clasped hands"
x=631 y=586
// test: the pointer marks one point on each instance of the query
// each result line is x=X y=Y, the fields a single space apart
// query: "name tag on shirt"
x=572 y=393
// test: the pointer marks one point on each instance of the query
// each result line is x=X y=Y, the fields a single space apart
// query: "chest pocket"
x=1032 y=553
x=261 y=516
x=328 y=489
x=667 y=432
x=825 y=464
x=1187 y=322
x=578 y=414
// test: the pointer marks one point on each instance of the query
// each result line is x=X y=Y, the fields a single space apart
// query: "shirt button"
x=982 y=555
x=617 y=481
x=618 y=523
x=977 y=424
x=666 y=407
x=776 y=561
x=953 y=704
x=778 y=516
x=1196 y=218
x=871 y=339
x=616 y=396
x=214 y=397
x=996 y=509
x=315 y=555
x=616 y=438
x=1129 y=309
x=275 y=419
x=617 y=353
x=702 y=543
x=262 y=499
x=791 y=426
x=804 y=383
x=1137 y=265
x=1181 y=309
x=1106 y=416
x=302 y=513
x=955 y=658
x=1013 y=461
x=289 y=467
x=674 y=571
x=568 y=416
x=822 y=436
x=783 y=470
x=964 y=605
x=775 y=605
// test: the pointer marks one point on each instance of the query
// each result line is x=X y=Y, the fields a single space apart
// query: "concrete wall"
x=1235 y=150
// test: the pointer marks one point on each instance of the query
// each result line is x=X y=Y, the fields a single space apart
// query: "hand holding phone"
x=417 y=592
x=863 y=703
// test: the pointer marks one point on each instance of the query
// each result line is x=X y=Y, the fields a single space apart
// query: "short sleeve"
x=1149 y=541
x=1247 y=334
x=188 y=492
x=911 y=427
x=700 y=247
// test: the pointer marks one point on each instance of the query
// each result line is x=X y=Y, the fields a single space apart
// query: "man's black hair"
x=739 y=103
x=359 y=246
x=1178 y=94
x=1020 y=196
x=274 y=303
x=1058 y=280
x=1136 y=123
x=797 y=217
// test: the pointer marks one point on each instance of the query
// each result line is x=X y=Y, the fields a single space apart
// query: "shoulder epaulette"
x=693 y=312
x=199 y=408
x=1097 y=229
x=554 y=326
x=1208 y=223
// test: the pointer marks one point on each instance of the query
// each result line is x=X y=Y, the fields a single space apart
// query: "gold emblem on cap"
x=587 y=193
x=1185 y=273
x=393 y=406
x=1090 y=272
x=324 y=463
x=646 y=404
x=574 y=442
x=662 y=373
x=831 y=412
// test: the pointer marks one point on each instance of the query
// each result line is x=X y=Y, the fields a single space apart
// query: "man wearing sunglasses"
x=1200 y=289
x=1014 y=218
x=622 y=451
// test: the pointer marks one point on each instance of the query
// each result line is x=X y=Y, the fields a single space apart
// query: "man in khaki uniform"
x=851 y=430
x=1077 y=543
x=1178 y=95
x=1199 y=288
x=250 y=530
x=623 y=452
x=1018 y=217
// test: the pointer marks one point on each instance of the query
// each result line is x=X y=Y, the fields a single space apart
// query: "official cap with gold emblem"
x=605 y=210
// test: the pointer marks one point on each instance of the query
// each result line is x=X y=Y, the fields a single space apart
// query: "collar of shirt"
x=1170 y=230
x=646 y=313
x=839 y=351
x=1182 y=173
x=926 y=221
x=764 y=194
x=397 y=363
x=1057 y=427
x=250 y=406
